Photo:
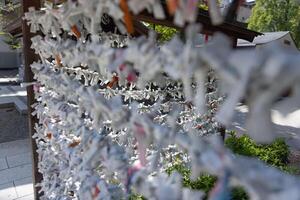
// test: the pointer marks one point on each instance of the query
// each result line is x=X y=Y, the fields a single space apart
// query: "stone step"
x=13 y=96
x=6 y=81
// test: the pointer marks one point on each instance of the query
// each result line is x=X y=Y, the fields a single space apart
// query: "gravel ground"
x=13 y=125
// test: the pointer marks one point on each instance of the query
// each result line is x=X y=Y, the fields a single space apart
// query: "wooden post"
x=234 y=42
x=30 y=57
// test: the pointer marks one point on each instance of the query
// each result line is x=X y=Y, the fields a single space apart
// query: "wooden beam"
x=226 y=28
x=31 y=57
x=57 y=1
x=234 y=42
x=230 y=28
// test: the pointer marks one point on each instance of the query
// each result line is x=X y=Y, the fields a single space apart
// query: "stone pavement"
x=16 y=171
x=285 y=126
x=13 y=125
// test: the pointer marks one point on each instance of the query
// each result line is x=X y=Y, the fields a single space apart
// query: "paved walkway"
x=16 y=171
x=286 y=126
x=13 y=125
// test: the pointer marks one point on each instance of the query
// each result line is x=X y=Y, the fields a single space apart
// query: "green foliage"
x=11 y=41
x=205 y=182
x=9 y=12
x=136 y=197
x=275 y=154
x=7 y=8
x=274 y=15
x=203 y=6
x=165 y=33
x=293 y=170
x=238 y=193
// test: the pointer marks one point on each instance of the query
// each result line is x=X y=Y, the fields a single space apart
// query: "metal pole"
x=30 y=57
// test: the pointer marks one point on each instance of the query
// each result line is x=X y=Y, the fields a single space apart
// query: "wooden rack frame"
x=29 y=58
x=230 y=28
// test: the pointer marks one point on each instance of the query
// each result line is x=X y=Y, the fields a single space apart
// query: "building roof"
x=263 y=39
x=249 y=3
